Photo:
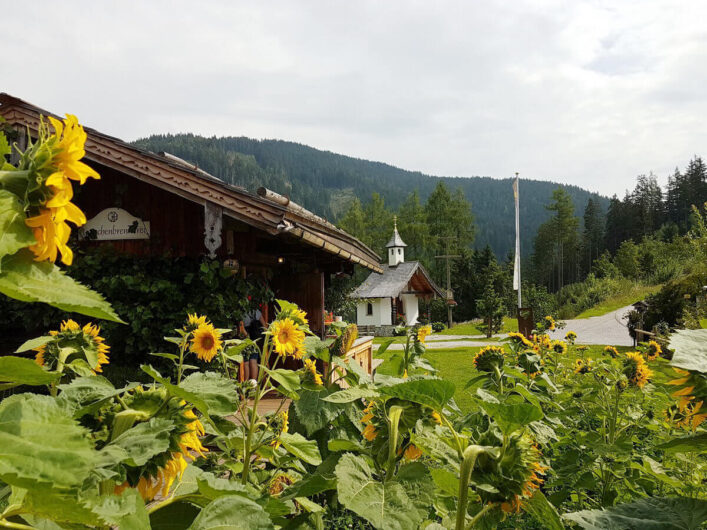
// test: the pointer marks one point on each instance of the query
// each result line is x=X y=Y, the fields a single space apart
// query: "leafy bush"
x=438 y=326
x=669 y=303
x=151 y=293
x=577 y=297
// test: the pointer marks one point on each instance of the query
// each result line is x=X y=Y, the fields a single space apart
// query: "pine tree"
x=412 y=225
x=450 y=222
x=593 y=234
x=560 y=234
x=379 y=222
x=491 y=307
x=354 y=222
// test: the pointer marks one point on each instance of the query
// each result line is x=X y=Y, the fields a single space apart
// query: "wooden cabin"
x=157 y=204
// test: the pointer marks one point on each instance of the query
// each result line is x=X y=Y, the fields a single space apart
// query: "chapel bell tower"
x=396 y=246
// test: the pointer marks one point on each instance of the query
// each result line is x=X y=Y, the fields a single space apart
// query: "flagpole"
x=516 y=267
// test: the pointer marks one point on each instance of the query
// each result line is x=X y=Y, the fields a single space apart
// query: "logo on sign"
x=114 y=223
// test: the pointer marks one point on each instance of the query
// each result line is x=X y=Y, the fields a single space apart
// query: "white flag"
x=516 y=266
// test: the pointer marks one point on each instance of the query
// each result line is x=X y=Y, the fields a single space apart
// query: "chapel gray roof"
x=396 y=240
x=393 y=281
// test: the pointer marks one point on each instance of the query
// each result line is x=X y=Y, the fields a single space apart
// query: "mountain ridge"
x=325 y=182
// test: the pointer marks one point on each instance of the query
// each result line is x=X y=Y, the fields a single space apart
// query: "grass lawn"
x=636 y=294
x=456 y=365
x=470 y=328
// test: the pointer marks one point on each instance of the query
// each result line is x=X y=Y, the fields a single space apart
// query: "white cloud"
x=591 y=93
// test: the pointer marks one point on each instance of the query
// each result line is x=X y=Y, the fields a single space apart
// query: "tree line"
x=567 y=248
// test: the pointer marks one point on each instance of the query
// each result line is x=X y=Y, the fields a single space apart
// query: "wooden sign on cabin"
x=114 y=223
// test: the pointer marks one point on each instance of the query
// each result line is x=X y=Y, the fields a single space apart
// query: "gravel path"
x=605 y=329
x=458 y=341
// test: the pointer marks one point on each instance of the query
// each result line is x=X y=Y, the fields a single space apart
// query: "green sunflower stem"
x=468 y=461
x=394 y=419
x=182 y=350
x=9 y=524
x=499 y=376
x=247 y=443
x=479 y=515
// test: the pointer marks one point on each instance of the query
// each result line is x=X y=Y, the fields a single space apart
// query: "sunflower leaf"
x=302 y=448
x=232 y=511
x=218 y=392
x=34 y=343
x=398 y=504
x=27 y=423
x=27 y=280
x=432 y=392
x=14 y=233
x=21 y=371
x=144 y=440
x=679 y=513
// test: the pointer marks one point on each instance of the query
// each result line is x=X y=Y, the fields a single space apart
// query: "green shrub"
x=438 y=326
x=577 y=297
x=668 y=305
x=152 y=294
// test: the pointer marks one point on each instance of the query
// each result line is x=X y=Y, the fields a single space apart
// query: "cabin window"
x=400 y=251
x=369 y=309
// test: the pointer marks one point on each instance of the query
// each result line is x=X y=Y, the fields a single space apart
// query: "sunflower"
x=611 y=351
x=300 y=317
x=530 y=362
x=160 y=472
x=279 y=483
x=571 y=337
x=287 y=338
x=488 y=359
x=91 y=331
x=206 y=342
x=70 y=340
x=422 y=333
x=70 y=140
x=69 y=325
x=582 y=366
x=369 y=433
x=280 y=425
x=436 y=417
x=541 y=342
x=692 y=395
x=52 y=234
x=369 y=413
x=311 y=369
x=515 y=475
x=549 y=323
x=636 y=370
x=653 y=350
x=344 y=342
x=39 y=356
x=519 y=338
x=49 y=222
x=680 y=418
x=412 y=452
x=194 y=321
x=559 y=347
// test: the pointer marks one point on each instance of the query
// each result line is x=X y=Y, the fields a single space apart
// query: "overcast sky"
x=589 y=93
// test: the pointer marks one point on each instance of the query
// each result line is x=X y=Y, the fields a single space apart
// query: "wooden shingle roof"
x=173 y=175
x=395 y=280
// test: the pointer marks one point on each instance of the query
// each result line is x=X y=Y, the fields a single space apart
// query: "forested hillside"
x=326 y=182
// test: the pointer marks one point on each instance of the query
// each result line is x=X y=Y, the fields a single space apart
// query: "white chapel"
x=392 y=298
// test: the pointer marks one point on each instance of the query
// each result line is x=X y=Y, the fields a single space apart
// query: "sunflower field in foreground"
x=552 y=438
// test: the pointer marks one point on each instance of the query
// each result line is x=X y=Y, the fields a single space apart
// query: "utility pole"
x=447 y=256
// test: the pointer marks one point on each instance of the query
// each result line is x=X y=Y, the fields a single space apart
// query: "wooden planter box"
x=361 y=353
